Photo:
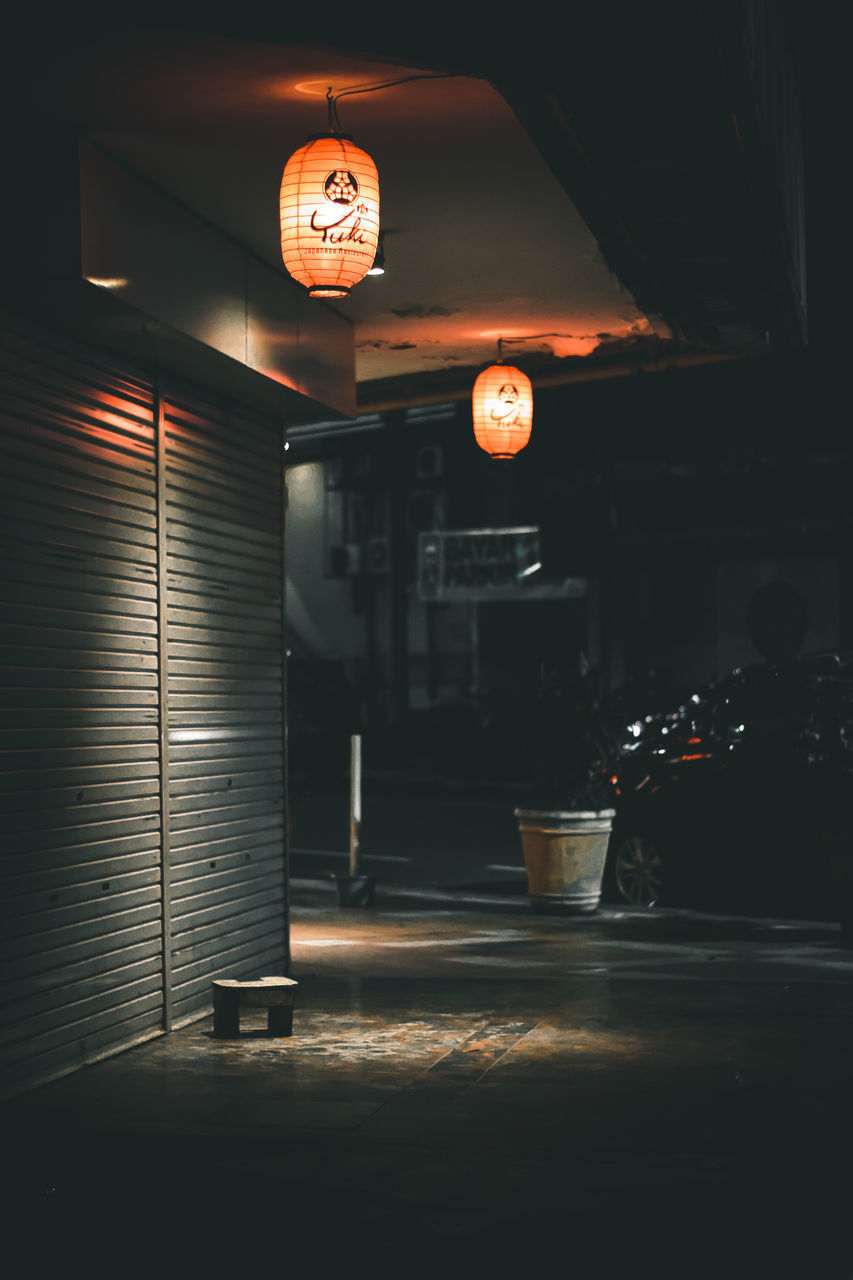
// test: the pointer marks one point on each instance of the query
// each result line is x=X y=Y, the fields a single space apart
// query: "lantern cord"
x=334 y=122
x=332 y=97
x=389 y=84
x=529 y=337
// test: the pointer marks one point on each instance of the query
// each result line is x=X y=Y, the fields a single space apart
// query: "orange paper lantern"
x=503 y=410
x=329 y=215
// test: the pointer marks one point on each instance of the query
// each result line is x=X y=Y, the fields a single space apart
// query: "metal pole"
x=475 y=646
x=285 y=746
x=398 y=596
x=354 y=801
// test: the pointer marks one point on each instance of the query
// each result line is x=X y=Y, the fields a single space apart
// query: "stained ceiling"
x=482 y=237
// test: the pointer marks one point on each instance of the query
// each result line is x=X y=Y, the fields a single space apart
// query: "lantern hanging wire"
x=533 y=337
x=331 y=103
x=333 y=98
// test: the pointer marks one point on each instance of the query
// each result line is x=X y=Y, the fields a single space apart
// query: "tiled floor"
x=481 y=1089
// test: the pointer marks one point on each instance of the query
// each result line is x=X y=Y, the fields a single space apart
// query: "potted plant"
x=565 y=826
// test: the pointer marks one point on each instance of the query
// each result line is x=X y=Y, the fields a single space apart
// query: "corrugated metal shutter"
x=225 y=659
x=80 y=868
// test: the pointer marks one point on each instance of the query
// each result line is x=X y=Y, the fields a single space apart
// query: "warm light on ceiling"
x=318 y=88
x=329 y=208
x=503 y=410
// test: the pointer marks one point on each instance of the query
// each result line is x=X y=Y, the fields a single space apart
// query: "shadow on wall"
x=776 y=620
x=775 y=609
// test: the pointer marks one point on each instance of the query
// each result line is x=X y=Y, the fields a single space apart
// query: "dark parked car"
x=738 y=798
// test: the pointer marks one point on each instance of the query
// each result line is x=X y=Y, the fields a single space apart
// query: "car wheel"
x=638 y=871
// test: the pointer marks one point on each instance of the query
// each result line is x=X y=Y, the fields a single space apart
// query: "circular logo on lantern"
x=507 y=406
x=340 y=187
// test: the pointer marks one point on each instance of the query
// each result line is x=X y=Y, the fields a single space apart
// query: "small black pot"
x=355 y=891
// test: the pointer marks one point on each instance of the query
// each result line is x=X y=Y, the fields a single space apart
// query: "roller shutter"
x=80 y=895
x=225 y=661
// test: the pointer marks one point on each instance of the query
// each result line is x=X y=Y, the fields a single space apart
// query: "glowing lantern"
x=329 y=215
x=503 y=410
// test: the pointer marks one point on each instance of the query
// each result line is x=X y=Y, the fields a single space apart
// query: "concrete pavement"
x=470 y=1086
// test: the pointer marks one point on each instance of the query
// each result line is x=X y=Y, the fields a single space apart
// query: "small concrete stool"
x=273 y=994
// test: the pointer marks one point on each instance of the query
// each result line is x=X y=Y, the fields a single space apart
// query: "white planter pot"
x=564 y=854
